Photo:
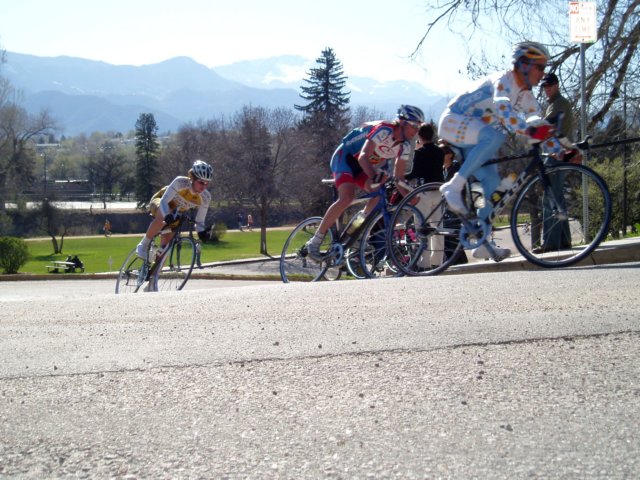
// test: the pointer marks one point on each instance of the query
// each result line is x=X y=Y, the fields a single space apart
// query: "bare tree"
x=259 y=149
x=18 y=132
x=56 y=221
x=362 y=114
x=107 y=168
x=610 y=62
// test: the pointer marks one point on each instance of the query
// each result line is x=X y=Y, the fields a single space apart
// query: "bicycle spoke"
x=424 y=237
x=177 y=265
x=132 y=274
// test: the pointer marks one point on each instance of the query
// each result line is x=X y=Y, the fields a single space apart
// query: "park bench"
x=60 y=266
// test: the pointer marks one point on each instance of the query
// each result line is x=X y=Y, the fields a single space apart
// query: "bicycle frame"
x=345 y=240
x=156 y=266
x=475 y=232
x=341 y=250
x=536 y=163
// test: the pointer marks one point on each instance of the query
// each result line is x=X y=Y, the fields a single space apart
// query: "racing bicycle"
x=362 y=250
x=567 y=201
x=166 y=268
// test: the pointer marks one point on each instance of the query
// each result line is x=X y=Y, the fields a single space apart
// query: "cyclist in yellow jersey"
x=182 y=194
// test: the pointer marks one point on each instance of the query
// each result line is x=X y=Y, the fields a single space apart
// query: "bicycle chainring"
x=474 y=232
x=334 y=255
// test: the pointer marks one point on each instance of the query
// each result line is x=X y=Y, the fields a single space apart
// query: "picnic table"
x=61 y=266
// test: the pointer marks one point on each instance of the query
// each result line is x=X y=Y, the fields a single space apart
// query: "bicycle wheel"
x=567 y=221
x=373 y=249
x=132 y=274
x=423 y=238
x=177 y=265
x=352 y=255
x=374 y=259
x=295 y=264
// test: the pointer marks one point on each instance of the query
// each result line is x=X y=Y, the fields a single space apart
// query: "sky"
x=373 y=38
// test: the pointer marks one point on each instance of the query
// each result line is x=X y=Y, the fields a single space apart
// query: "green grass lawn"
x=102 y=254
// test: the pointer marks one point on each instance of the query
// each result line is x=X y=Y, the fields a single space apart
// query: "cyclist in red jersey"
x=359 y=161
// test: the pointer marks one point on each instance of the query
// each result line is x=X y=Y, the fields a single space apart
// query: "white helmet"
x=202 y=170
x=410 y=113
x=532 y=51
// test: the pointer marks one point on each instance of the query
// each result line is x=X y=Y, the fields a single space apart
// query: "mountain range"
x=87 y=95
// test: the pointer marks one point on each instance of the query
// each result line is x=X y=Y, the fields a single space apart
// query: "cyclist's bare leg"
x=166 y=238
x=346 y=194
x=155 y=226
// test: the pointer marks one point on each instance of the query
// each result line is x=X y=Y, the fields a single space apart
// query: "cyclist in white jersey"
x=182 y=194
x=477 y=121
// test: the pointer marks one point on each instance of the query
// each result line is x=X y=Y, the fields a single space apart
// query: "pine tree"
x=147 y=149
x=325 y=93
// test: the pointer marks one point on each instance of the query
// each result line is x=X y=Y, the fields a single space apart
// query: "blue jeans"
x=555 y=233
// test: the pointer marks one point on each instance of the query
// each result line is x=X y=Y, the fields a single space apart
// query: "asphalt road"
x=495 y=375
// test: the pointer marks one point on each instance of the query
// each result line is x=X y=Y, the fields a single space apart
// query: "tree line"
x=261 y=157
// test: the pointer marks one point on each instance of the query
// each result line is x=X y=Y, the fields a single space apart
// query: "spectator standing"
x=556 y=235
x=250 y=222
x=428 y=162
x=239 y=220
x=198 y=253
x=428 y=158
x=559 y=111
x=451 y=164
x=107 y=228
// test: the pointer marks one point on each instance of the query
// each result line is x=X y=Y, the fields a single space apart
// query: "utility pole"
x=625 y=163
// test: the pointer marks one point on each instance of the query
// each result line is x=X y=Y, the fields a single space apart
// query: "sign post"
x=583 y=29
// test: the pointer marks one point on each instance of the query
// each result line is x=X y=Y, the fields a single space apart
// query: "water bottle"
x=506 y=183
x=477 y=195
x=357 y=221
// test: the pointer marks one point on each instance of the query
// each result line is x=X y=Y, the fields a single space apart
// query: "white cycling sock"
x=317 y=238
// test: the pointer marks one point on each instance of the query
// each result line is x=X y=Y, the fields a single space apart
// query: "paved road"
x=379 y=379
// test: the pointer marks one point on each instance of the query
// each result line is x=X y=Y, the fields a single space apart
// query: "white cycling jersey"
x=179 y=196
x=497 y=101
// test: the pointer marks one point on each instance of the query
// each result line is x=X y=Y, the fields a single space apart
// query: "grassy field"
x=102 y=254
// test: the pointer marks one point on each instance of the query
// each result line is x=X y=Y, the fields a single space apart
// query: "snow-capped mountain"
x=86 y=95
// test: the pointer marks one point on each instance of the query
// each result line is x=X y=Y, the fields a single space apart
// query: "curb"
x=612 y=252
x=603 y=255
